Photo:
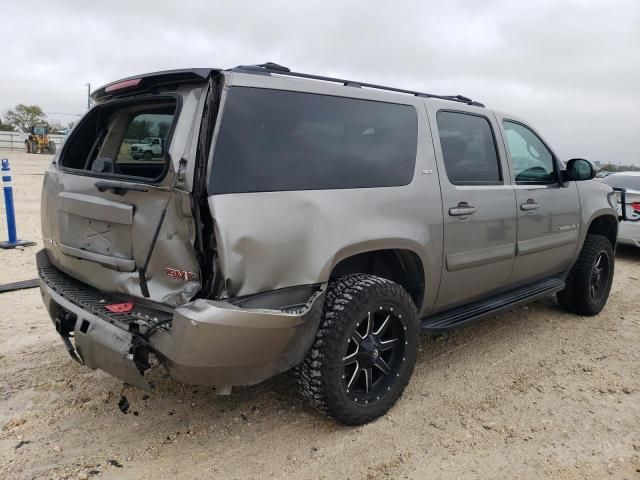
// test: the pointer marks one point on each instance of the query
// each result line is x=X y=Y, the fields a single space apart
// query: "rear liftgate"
x=102 y=344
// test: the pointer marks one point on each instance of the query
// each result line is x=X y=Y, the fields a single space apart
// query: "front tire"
x=52 y=147
x=27 y=145
x=589 y=282
x=148 y=155
x=364 y=352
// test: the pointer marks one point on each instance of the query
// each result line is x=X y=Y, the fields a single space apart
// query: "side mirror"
x=580 y=169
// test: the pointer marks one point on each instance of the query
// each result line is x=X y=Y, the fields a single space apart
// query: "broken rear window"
x=129 y=138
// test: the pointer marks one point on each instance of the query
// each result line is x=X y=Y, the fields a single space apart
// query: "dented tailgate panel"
x=101 y=236
x=96 y=245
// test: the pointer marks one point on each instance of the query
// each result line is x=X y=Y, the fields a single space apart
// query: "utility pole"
x=88 y=95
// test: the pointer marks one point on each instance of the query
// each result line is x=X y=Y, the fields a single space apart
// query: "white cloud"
x=572 y=67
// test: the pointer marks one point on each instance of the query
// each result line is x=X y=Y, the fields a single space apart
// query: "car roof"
x=139 y=83
x=273 y=69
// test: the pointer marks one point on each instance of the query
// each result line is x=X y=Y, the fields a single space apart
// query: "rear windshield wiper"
x=142 y=271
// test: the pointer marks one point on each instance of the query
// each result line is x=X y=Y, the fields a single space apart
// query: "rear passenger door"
x=478 y=205
x=548 y=213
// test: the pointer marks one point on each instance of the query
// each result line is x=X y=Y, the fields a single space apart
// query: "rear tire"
x=364 y=352
x=34 y=146
x=52 y=147
x=589 y=282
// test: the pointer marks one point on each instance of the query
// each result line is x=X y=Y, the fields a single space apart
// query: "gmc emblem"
x=180 y=274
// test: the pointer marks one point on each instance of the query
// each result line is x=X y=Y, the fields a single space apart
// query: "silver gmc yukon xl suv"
x=309 y=223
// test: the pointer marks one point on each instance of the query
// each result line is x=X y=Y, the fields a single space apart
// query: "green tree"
x=23 y=117
x=163 y=129
x=609 y=167
x=5 y=127
x=139 y=129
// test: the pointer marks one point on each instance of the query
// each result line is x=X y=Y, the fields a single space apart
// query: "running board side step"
x=462 y=316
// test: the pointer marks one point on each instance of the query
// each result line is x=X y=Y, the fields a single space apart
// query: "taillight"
x=124 y=84
x=635 y=206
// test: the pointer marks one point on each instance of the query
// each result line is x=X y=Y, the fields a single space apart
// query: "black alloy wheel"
x=599 y=276
x=589 y=282
x=373 y=355
x=364 y=351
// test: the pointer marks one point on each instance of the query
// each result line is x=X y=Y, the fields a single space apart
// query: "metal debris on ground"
x=123 y=404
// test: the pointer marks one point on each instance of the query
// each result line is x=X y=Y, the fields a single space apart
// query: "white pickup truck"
x=149 y=147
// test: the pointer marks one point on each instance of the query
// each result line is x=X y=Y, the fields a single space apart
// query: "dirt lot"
x=534 y=393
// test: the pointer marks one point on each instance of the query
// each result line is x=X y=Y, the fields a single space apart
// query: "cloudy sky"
x=572 y=68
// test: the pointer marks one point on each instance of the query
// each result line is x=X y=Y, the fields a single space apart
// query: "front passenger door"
x=548 y=213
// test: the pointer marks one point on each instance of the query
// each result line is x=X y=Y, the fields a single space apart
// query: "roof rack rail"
x=270 y=67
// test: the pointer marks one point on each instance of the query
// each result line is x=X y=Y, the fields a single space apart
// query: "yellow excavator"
x=38 y=141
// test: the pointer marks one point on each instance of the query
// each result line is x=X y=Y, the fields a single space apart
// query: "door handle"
x=530 y=204
x=462 y=210
x=119 y=188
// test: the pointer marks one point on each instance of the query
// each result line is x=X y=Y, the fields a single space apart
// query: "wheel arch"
x=605 y=225
x=400 y=265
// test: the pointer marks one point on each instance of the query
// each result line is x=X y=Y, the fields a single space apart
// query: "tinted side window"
x=531 y=160
x=468 y=149
x=272 y=140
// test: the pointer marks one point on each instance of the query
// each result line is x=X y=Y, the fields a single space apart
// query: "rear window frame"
x=220 y=119
x=140 y=99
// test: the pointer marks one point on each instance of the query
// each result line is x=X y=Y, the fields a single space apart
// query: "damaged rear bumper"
x=206 y=342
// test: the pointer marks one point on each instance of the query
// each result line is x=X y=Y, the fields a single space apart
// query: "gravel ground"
x=533 y=393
